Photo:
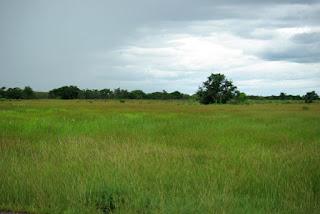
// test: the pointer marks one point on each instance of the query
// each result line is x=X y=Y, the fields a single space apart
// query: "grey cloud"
x=307 y=38
x=307 y=53
x=46 y=43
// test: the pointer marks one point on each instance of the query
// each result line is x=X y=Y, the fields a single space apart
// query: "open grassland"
x=159 y=157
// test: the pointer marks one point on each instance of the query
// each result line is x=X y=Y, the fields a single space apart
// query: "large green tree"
x=137 y=94
x=28 y=93
x=14 y=93
x=217 y=89
x=65 y=92
x=106 y=93
x=310 y=97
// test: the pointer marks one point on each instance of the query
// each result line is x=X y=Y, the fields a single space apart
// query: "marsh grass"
x=158 y=157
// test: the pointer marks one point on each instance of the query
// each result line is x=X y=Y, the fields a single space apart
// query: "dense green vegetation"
x=17 y=93
x=217 y=89
x=145 y=156
x=73 y=92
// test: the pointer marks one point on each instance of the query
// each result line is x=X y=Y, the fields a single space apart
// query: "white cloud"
x=185 y=60
x=264 y=46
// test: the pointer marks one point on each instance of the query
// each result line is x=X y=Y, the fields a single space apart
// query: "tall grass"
x=158 y=157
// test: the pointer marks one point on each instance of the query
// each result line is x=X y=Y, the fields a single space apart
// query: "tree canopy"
x=217 y=89
x=65 y=92
x=310 y=97
x=28 y=93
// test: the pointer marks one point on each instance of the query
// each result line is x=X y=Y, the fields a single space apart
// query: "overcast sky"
x=265 y=47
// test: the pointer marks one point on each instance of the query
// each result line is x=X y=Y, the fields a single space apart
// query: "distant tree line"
x=281 y=96
x=308 y=97
x=17 y=93
x=73 y=92
x=217 y=89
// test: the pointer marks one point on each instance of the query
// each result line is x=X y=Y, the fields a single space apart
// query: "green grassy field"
x=159 y=157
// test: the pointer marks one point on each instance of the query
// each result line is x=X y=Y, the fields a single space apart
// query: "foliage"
x=240 y=98
x=282 y=96
x=17 y=93
x=73 y=92
x=176 y=95
x=89 y=94
x=228 y=90
x=28 y=93
x=217 y=89
x=137 y=94
x=65 y=92
x=14 y=93
x=310 y=97
x=41 y=95
x=3 y=92
x=106 y=93
x=119 y=93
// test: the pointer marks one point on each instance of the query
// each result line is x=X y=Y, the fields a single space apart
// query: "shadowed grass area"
x=159 y=157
